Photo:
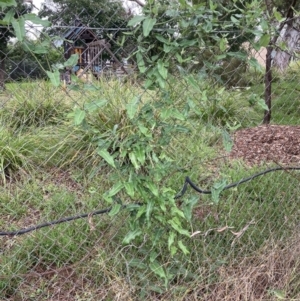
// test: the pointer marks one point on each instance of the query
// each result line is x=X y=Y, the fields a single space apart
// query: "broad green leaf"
x=177 y=115
x=183 y=248
x=264 y=25
x=95 y=105
x=261 y=102
x=212 y=6
x=148 y=84
x=144 y=130
x=40 y=49
x=135 y=20
x=153 y=256
x=152 y=187
x=277 y=15
x=223 y=44
x=107 y=157
x=131 y=236
x=162 y=39
x=79 y=116
x=132 y=107
x=171 y=239
x=160 y=81
x=133 y=160
x=192 y=81
x=227 y=141
x=172 y=13
x=140 y=62
x=137 y=263
x=254 y=63
x=59 y=66
x=36 y=47
x=19 y=28
x=179 y=58
x=220 y=57
x=177 y=212
x=182 y=3
x=239 y=55
x=184 y=24
x=207 y=26
x=36 y=20
x=141 y=212
x=157 y=269
x=172 y=113
x=5 y=3
x=132 y=207
x=140 y=154
x=188 y=207
x=168 y=48
x=234 y=20
x=163 y=71
x=72 y=60
x=129 y=187
x=264 y=40
x=9 y=16
x=176 y=225
x=173 y=250
x=187 y=43
x=148 y=24
x=216 y=190
x=115 y=210
x=149 y=209
x=234 y=126
x=54 y=78
x=115 y=189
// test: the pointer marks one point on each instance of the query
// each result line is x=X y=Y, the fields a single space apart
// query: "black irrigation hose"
x=59 y=221
x=179 y=195
x=193 y=185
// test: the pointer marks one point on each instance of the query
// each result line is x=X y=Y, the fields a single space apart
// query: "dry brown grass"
x=271 y=274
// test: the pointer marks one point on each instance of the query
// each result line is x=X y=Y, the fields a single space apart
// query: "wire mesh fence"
x=136 y=156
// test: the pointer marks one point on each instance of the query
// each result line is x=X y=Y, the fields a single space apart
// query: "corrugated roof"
x=75 y=33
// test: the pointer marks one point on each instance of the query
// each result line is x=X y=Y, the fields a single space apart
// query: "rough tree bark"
x=290 y=38
x=282 y=57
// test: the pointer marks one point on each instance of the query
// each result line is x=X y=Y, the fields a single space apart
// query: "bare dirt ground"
x=268 y=143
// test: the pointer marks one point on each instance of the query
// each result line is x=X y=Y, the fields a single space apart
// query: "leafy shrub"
x=132 y=135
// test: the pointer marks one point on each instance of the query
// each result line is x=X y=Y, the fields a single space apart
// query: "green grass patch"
x=51 y=169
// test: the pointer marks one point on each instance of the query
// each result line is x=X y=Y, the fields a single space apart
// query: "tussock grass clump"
x=33 y=104
x=14 y=152
x=205 y=105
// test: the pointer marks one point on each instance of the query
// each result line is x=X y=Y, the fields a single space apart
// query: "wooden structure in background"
x=82 y=40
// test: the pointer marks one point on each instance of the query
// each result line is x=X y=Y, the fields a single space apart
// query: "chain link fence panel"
x=116 y=165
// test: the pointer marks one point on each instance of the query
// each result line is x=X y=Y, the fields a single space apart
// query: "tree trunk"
x=2 y=74
x=282 y=57
x=268 y=85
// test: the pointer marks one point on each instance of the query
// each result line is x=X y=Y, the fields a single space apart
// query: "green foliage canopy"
x=98 y=14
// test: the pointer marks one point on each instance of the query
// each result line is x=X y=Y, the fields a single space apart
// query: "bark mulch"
x=267 y=143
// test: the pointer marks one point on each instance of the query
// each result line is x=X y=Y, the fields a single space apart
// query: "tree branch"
x=138 y=2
